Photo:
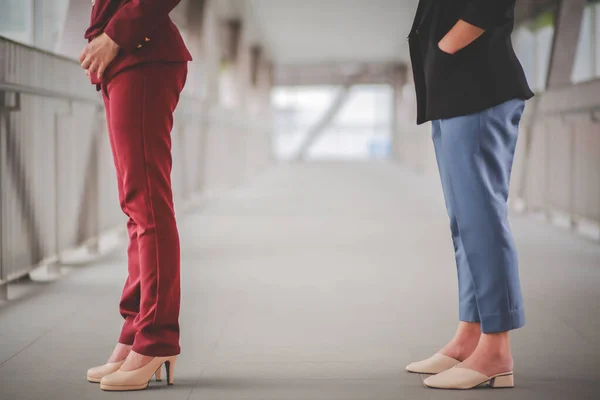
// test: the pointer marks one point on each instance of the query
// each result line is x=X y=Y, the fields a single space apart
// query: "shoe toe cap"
x=433 y=382
x=455 y=378
x=95 y=374
x=433 y=365
x=416 y=367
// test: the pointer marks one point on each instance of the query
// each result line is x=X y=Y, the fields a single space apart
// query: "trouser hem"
x=503 y=322
x=469 y=316
x=128 y=333
x=156 y=350
x=157 y=344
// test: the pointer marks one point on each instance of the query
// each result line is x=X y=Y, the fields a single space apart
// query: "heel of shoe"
x=158 y=374
x=170 y=366
x=503 y=381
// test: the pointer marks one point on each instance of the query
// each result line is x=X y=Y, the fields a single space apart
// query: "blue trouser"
x=475 y=155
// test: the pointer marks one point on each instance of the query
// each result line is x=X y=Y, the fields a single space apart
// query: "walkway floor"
x=302 y=285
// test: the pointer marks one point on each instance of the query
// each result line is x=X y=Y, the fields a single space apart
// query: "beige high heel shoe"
x=433 y=365
x=95 y=374
x=465 y=378
x=140 y=378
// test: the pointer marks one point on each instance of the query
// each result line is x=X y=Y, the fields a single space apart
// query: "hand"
x=459 y=37
x=98 y=54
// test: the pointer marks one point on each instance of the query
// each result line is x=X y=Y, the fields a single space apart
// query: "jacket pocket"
x=440 y=64
x=442 y=55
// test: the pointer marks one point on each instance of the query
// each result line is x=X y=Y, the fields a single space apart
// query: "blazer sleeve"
x=136 y=20
x=487 y=14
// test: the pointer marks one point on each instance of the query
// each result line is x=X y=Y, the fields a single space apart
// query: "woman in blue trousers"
x=472 y=88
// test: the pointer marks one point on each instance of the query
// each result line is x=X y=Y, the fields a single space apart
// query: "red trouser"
x=139 y=109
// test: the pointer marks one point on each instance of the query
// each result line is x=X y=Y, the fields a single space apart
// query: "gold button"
x=147 y=39
x=139 y=46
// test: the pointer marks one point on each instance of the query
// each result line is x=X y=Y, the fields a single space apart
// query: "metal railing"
x=57 y=179
x=557 y=163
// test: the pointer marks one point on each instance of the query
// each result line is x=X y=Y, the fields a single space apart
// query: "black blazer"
x=482 y=75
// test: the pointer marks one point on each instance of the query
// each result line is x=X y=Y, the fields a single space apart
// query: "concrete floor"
x=319 y=281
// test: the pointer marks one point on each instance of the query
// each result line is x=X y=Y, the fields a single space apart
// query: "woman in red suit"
x=137 y=58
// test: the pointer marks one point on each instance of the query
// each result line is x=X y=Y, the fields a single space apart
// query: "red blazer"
x=142 y=29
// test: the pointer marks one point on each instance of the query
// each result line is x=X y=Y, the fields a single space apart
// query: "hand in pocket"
x=459 y=37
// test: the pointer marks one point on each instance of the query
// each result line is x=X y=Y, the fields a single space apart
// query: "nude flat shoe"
x=140 y=378
x=464 y=378
x=95 y=374
x=433 y=365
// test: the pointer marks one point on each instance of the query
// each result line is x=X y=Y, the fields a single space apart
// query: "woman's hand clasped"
x=98 y=54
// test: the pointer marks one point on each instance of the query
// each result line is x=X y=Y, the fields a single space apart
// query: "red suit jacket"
x=142 y=29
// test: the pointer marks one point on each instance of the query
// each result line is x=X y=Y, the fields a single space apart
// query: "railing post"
x=53 y=268
x=546 y=206
x=4 y=291
x=3 y=286
x=93 y=246
x=596 y=119
x=202 y=148
x=6 y=107
x=572 y=142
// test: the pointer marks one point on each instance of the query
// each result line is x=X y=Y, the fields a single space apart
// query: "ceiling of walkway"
x=299 y=33
x=310 y=32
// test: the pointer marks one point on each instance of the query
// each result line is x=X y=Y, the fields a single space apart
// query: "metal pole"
x=547 y=203
x=3 y=286
x=94 y=245
x=564 y=46
x=572 y=137
x=4 y=291
x=54 y=267
x=595 y=119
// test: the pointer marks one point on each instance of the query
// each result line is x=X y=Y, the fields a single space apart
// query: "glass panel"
x=34 y=22
x=49 y=19
x=583 y=68
x=16 y=20
x=543 y=51
x=596 y=40
x=523 y=42
x=361 y=130
x=296 y=110
x=533 y=45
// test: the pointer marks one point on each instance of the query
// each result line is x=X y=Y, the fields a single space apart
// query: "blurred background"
x=296 y=130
